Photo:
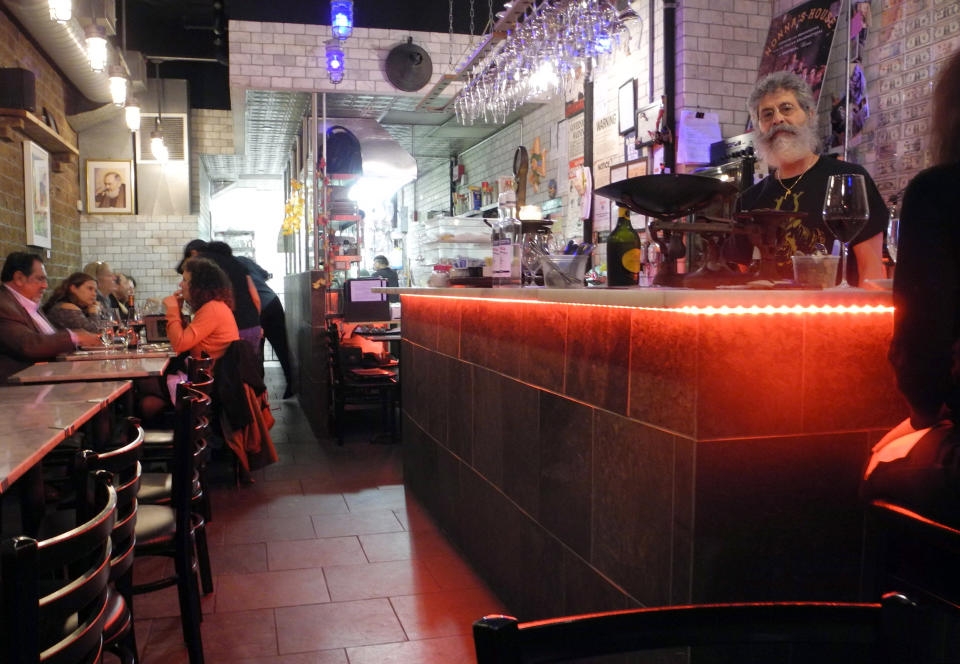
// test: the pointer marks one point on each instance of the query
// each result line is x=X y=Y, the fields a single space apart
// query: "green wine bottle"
x=624 y=257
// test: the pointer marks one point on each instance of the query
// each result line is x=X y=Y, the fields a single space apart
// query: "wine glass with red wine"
x=845 y=212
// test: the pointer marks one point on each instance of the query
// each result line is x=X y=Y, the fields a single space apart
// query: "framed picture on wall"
x=109 y=187
x=627 y=106
x=36 y=195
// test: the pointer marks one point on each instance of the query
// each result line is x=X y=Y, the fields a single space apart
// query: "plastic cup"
x=815 y=271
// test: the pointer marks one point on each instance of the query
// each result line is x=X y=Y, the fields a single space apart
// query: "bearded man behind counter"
x=783 y=111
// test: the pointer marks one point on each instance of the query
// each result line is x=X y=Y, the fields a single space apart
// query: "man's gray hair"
x=781 y=80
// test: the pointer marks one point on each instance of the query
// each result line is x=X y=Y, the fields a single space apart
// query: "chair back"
x=333 y=354
x=124 y=463
x=61 y=580
x=190 y=435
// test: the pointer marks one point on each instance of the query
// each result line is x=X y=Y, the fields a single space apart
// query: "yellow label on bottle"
x=632 y=260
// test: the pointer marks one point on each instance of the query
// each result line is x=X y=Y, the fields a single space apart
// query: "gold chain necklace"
x=790 y=189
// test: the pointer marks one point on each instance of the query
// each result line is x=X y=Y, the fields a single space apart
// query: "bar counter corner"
x=594 y=450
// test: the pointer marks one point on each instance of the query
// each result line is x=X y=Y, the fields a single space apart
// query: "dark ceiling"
x=198 y=29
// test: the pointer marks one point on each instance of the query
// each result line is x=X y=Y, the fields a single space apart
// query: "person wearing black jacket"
x=246 y=300
x=272 y=319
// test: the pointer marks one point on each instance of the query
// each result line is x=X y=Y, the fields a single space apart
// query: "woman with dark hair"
x=206 y=288
x=918 y=463
x=73 y=304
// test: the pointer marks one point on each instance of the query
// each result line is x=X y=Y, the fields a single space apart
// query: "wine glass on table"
x=845 y=212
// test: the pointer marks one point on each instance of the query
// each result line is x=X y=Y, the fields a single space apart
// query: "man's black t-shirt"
x=244 y=310
x=808 y=191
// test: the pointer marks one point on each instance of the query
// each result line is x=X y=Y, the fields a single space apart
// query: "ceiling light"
x=118 y=85
x=157 y=147
x=61 y=11
x=341 y=18
x=131 y=114
x=96 y=47
x=335 y=63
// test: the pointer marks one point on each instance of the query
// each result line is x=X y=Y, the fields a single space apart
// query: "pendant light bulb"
x=157 y=147
x=96 y=47
x=61 y=11
x=118 y=85
x=131 y=113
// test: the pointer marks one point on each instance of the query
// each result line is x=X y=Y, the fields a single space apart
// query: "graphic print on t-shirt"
x=796 y=238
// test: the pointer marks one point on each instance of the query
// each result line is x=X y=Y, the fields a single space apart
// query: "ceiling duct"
x=64 y=43
x=383 y=156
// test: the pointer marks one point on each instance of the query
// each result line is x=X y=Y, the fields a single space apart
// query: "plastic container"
x=563 y=271
x=815 y=271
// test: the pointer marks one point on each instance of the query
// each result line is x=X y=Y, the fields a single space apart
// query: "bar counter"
x=594 y=450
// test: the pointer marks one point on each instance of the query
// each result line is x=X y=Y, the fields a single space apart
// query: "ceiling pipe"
x=64 y=44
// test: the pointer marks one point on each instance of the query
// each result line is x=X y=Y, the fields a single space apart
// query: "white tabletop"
x=126 y=354
x=39 y=417
x=99 y=370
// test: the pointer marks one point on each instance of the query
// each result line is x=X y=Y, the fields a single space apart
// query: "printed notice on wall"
x=695 y=132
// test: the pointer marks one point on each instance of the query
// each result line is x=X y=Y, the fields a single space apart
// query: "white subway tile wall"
x=147 y=248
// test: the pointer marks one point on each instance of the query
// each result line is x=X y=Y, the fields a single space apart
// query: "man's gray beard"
x=786 y=147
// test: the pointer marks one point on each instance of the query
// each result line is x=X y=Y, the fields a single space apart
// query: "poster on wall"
x=36 y=195
x=109 y=187
x=799 y=41
x=576 y=178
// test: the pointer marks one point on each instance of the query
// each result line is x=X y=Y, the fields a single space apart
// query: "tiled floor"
x=324 y=560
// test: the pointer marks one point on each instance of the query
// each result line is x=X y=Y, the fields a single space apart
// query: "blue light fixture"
x=335 y=63
x=341 y=18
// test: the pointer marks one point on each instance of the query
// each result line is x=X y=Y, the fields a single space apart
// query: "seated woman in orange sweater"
x=206 y=288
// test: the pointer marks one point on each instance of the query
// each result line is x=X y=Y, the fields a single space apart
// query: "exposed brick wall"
x=16 y=50
x=148 y=248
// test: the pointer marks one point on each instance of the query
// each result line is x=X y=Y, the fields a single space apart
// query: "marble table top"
x=94 y=370
x=39 y=417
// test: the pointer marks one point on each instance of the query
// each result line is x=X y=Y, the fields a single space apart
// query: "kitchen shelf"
x=29 y=126
x=474 y=213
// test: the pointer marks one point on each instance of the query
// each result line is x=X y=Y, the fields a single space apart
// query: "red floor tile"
x=241 y=592
x=238 y=558
x=445 y=613
x=319 y=657
x=226 y=638
x=401 y=577
x=267 y=530
x=360 y=523
x=446 y=650
x=315 y=553
x=404 y=546
x=451 y=572
x=389 y=497
x=337 y=625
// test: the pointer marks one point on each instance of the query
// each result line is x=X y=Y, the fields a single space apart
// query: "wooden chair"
x=124 y=463
x=175 y=530
x=55 y=591
x=352 y=388
x=915 y=621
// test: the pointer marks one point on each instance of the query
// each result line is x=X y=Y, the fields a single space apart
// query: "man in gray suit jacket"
x=26 y=336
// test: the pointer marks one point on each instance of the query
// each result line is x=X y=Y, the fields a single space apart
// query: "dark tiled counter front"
x=590 y=457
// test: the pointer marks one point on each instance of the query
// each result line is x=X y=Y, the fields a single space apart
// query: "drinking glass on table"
x=845 y=212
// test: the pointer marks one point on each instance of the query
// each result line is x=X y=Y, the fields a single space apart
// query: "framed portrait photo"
x=36 y=195
x=110 y=187
x=627 y=106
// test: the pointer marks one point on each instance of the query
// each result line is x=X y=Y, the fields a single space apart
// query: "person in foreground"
x=26 y=336
x=783 y=111
x=918 y=462
x=73 y=304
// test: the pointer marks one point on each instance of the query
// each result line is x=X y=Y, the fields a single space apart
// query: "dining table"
x=39 y=418
x=89 y=354
x=93 y=370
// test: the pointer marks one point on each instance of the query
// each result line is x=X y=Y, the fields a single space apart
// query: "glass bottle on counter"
x=624 y=254
x=506 y=242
